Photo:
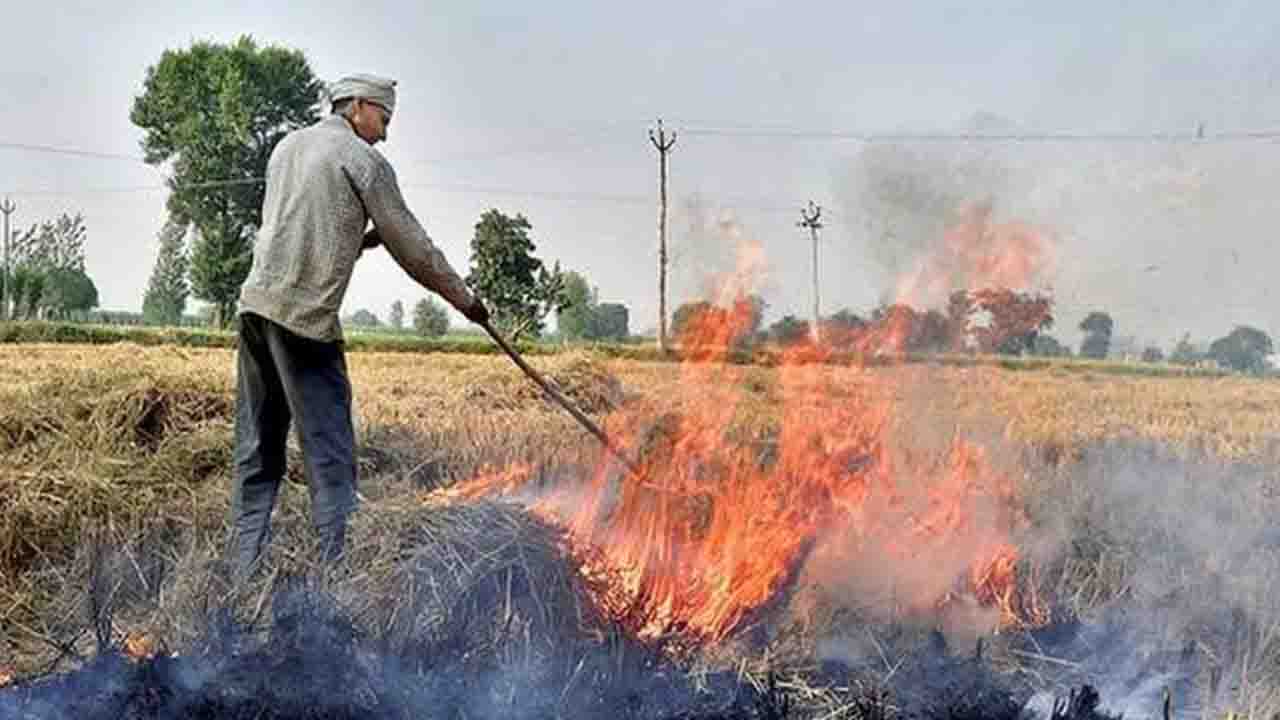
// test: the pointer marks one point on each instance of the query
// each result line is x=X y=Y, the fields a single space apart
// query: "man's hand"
x=477 y=312
x=371 y=240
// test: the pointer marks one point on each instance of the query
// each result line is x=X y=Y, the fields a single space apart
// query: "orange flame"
x=138 y=646
x=717 y=521
x=978 y=252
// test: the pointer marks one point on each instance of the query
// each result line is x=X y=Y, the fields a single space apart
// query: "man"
x=324 y=184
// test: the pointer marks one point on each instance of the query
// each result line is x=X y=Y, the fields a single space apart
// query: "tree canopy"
x=519 y=290
x=214 y=112
x=396 y=316
x=1244 y=349
x=47 y=274
x=165 y=300
x=430 y=318
x=575 y=318
x=1097 y=327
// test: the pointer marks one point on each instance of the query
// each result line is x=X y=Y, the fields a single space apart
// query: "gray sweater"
x=324 y=184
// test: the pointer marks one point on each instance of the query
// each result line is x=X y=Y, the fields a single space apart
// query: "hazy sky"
x=542 y=108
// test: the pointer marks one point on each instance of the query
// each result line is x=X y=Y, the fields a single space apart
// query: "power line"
x=51 y=149
x=135 y=188
x=733 y=203
x=1028 y=137
x=782 y=132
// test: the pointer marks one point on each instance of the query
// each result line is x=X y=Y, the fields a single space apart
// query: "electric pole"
x=811 y=218
x=7 y=207
x=664 y=145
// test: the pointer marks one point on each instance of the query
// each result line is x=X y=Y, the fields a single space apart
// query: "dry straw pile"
x=131 y=447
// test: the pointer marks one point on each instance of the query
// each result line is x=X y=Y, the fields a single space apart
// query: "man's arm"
x=407 y=241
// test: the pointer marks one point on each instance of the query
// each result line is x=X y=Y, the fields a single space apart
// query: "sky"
x=543 y=109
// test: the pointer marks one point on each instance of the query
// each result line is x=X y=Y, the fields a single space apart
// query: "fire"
x=139 y=646
x=716 y=523
x=979 y=252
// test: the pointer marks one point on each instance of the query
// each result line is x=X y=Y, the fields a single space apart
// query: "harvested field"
x=115 y=460
x=1230 y=416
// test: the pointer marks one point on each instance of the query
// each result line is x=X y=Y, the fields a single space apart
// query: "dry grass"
x=137 y=440
x=1230 y=416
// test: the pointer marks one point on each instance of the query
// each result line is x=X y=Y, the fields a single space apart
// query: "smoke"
x=1162 y=565
x=715 y=256
x=1173 y=554
x=905 y=197
x=1167 y=237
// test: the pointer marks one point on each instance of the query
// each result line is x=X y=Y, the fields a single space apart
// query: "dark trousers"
x=283 y=378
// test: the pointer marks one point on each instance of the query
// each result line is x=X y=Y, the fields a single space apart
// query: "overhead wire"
x=1197 y=136
x=55 y=150
x=693 y=129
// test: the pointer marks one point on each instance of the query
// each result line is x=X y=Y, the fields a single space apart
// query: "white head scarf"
x=370 y=87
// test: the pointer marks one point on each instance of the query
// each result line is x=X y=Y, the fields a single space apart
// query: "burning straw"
x=440 y=610
x=713 y=524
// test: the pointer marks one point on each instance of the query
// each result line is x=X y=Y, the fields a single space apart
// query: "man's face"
x=370 y=121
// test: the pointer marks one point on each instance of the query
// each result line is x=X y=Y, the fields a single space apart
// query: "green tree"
x=363 y=318
x=1184 y=352
x=1244 y=349
x=48 y=276
x=27 y=290
x=612 y=321
x=1152 y=354
x=430 y=318
x=518 y=288
x=214 y=112
x=789 y=329
x=576 y=318
x=1048 y=346
x=166 y=298
x=1097 y=327
x=396 y=316
x=68 y=291
x=58 y=243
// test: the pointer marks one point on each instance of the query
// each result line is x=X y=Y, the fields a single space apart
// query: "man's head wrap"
x=369 y=87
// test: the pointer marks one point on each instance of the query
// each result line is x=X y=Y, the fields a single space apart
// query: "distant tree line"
x=991 y=321
x=521 y=291
x=46 y=277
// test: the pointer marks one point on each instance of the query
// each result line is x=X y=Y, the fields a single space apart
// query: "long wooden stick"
x=563 y=401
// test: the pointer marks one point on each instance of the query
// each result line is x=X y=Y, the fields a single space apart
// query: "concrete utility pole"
x=7 y=207
x=811 y=218
x=664 y=145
